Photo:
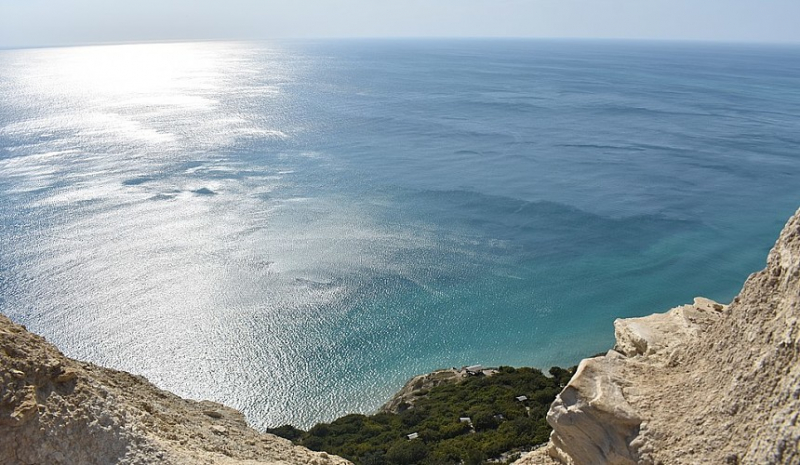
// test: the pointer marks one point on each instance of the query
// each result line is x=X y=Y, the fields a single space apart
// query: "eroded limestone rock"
x=592 y=417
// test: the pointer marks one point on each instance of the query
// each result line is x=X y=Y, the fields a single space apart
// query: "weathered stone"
x=213 y=414
x=66 y=376
x=593 y=421
x=219 y=429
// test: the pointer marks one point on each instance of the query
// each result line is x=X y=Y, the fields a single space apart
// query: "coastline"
x=406 y=261
x=683 y=387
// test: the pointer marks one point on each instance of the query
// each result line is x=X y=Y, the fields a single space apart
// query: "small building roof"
x=522 y=398
x=413 y=435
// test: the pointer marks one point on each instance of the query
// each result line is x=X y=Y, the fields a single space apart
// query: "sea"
x=295 y=228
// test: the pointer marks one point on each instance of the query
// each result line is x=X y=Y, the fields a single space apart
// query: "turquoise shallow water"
x=296 y=228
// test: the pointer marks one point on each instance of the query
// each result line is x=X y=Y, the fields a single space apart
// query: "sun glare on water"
x=162 y=217
x=151 y=93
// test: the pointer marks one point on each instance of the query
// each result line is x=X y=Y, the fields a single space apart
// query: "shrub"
x=406 y=452
x=501 y=422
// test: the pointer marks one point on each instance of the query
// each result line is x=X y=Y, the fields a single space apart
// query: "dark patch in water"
x=136 y=181
x=204 y=191
x=162 y=197
x=542 y=228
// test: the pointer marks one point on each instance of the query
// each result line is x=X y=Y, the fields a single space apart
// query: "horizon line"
x=400 y=38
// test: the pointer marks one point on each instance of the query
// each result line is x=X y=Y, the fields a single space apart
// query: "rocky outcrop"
x=55 y=410
x=702 y=383
x=418 y=386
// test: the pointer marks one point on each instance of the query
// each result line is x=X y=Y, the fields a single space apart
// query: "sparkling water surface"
x=296 y=228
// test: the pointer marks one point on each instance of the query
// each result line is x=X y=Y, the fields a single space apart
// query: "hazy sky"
x=58 y=22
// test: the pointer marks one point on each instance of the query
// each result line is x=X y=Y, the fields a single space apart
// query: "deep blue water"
x=296 y=228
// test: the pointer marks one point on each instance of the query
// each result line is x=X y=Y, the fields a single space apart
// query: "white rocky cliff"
x=55 y=410
x=702 y=383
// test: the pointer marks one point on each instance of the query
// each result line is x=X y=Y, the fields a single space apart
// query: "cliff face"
x=702 y=383
x=56 y=410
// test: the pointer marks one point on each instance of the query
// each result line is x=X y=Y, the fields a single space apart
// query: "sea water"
x=296 y=228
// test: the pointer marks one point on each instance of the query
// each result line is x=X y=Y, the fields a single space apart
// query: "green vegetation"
x=499 y=422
